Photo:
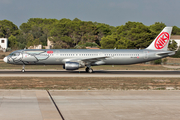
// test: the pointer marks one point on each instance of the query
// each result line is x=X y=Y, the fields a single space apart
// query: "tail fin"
x=162 y=40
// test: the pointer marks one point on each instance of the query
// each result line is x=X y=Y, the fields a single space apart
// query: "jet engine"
x=71 y=66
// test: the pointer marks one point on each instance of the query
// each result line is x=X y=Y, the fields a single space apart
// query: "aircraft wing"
x=94 y=59
x=88 y=60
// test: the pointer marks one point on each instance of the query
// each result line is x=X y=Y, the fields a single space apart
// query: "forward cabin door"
x=57 y=55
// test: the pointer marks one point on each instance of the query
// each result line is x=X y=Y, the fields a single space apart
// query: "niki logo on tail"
x=161 y=40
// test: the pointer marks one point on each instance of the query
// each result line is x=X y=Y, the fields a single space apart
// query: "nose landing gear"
x=23 y=69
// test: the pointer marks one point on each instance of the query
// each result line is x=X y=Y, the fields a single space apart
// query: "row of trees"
x=66 y=33
x=134 y=35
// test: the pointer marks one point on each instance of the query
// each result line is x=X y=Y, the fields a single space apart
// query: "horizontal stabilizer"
x=166 y=53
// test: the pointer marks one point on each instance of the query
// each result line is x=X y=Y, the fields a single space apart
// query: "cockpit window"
x=11 y=54
x=14 y=54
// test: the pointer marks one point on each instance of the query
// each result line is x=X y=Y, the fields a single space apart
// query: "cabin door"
x=57 y=54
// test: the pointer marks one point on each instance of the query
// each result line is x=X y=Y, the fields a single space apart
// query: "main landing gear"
x=89 y=70
x=23 y=69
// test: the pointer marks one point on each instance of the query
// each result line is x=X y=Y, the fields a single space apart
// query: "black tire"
x=87 y=69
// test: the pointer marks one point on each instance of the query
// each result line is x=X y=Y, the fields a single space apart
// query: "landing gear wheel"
x=23 y=70
x=90 y=70
x=87 y=69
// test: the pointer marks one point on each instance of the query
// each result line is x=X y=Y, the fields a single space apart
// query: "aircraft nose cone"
x=5 y=59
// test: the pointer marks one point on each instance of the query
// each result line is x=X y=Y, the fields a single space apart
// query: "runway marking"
x=55 y=105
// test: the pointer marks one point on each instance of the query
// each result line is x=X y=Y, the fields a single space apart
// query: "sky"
x=112 y=12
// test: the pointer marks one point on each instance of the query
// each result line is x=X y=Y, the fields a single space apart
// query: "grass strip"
x=65 y=83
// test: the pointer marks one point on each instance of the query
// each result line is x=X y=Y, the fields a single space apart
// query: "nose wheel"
x=23 y=69
x=89 y=70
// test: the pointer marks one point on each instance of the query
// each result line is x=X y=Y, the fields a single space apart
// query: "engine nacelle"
x=71 y=66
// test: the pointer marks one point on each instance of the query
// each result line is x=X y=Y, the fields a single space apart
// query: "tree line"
x=77 y=34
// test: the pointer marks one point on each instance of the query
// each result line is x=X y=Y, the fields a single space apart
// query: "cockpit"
x=14 y=54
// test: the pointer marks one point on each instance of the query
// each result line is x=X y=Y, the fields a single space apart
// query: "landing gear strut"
x=23 y=69
x=89 y=70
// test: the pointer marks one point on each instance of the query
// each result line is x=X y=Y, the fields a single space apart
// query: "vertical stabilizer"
x=162 y=40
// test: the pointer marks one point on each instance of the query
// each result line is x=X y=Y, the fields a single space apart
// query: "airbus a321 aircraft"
x=73 y=59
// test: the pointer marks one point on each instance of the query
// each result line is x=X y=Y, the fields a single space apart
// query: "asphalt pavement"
x=98 y=73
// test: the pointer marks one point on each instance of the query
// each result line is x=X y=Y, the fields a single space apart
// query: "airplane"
x=73 y=59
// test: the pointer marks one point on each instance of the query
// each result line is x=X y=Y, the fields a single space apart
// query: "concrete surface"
x=27 y=105
x=108 y=73
x=89 y=105
x=118 y=105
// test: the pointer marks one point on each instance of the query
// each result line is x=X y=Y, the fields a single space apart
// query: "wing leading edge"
x=87 y=61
